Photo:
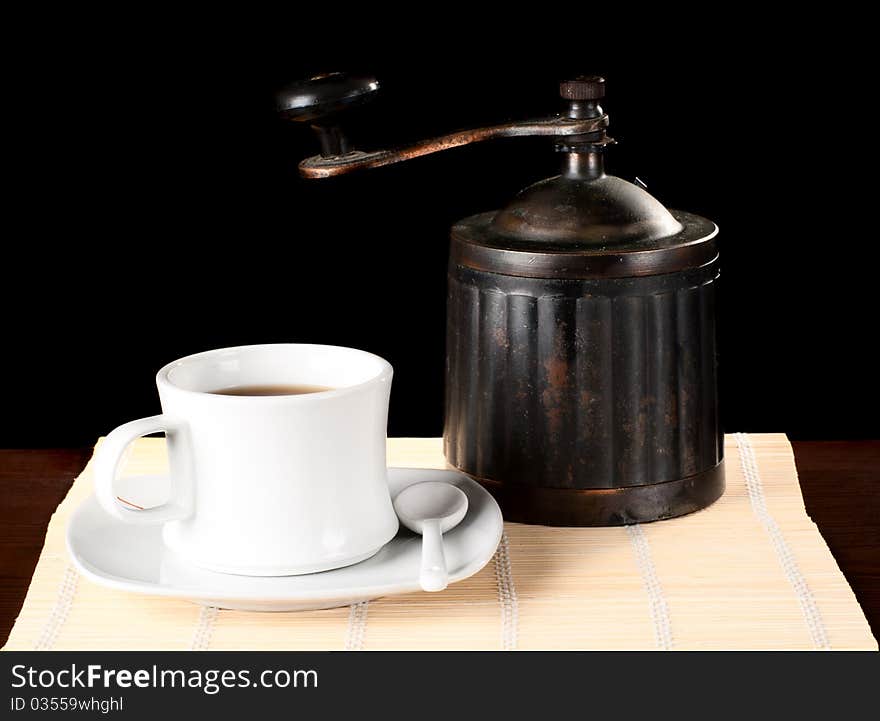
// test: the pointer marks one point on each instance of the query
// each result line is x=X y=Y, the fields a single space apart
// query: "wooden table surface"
x=840 y=482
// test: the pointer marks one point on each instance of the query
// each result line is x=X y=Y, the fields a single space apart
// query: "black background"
x=158 y=211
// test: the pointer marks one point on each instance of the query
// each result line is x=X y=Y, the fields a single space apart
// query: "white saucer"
x=134 y=558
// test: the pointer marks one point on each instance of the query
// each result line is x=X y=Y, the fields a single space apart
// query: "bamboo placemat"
x=750 y=572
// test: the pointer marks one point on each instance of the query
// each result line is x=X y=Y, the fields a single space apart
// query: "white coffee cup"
x=267 y=485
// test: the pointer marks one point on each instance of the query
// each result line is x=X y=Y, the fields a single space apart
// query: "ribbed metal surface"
x=581 y=384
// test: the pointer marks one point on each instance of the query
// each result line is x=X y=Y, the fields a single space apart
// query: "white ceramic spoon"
x=431 y=508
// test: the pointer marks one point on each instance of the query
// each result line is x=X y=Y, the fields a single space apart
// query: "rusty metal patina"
x=585 y=401
x=325 y=167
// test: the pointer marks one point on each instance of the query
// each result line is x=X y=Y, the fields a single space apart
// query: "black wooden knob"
x=584 y=87
x=323 y=95
x=320 y=101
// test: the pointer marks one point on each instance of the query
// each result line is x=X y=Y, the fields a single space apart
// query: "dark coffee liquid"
x=271 y=390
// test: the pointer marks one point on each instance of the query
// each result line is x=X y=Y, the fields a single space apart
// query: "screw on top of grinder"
x=583 y=94
x=583 y=87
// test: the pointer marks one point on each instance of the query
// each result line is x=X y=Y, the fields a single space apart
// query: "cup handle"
x=107 y=459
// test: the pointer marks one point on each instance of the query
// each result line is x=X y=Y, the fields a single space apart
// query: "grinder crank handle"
x=322 y=99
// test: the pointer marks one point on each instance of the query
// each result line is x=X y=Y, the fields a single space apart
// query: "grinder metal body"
x=581 y=380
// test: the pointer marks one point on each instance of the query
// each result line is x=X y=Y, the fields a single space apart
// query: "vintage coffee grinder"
x=580 y=358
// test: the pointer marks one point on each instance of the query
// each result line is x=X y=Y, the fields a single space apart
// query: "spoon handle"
x=433 y=576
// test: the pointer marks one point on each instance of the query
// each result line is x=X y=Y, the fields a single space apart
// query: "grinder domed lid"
x=584 y=223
